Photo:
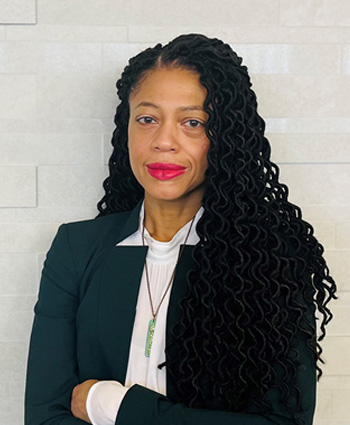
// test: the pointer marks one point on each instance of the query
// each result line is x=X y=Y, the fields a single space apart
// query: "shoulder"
x=77 y=249
x=97 y=227
x=97 y=231
x=87 y=240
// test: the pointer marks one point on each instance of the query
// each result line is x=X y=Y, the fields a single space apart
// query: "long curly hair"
x=259 y=274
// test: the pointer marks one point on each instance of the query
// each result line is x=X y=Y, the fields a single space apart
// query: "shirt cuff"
x=103 y=401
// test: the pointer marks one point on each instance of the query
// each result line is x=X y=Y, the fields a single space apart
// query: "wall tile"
x=323 y=406
x=346 y=59
x=343 y=235
x=114 y=12
x=303 y=148
x=4 y=389
x=13 y=357
x=74 y=186
x=53 y=214
x=51 y=149
x=72 y=58
x=19 y=58
x=339 y=265
x=17 y=186
x=2 y=32
x=330 y=383
x=26 y=237
x=18 y=275
x=76 y=97
x=71 y=33
x=305 y=59
x=320 y=422
x=327 y=212
x=307 y=125
x=15 y=326
x=336 y=353
x=343 y=299
x=116 y=56
x=11 y=409
x=50 y=58
x=340 y=405
x=18 y=11
x=340 y=324
x=241 y=33
x=154 y=34
x=66 y=125
x=17 y=387
x=14 y=303
x=302 y=96
x=314 y=12
x=317 y=183
x=324 y=232
x=18 y=96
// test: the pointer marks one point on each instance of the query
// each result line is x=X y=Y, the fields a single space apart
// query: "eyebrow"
x=181 y=108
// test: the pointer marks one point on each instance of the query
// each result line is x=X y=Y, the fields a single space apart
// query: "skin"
x=78 y=401
x=167 y=124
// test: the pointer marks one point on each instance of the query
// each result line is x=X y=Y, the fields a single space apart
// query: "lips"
x=165 y=170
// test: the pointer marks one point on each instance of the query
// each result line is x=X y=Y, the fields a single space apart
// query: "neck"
x=163 y=219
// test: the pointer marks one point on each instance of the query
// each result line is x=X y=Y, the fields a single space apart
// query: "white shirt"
x=105 y=397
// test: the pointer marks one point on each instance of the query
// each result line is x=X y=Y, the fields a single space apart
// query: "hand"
x=79 y=396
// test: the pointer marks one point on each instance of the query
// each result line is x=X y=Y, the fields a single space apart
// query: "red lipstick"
x=165 y=170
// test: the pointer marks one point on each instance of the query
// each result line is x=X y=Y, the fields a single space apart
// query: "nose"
x=166 y=137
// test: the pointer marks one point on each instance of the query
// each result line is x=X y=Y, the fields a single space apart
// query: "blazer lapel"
x=119 y=287
x=131 y=224
x=118 y=291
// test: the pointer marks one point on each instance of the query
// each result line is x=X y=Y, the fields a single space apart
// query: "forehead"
x=166 y=84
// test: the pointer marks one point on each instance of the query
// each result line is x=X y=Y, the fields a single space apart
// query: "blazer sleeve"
x=142 y=406
x=52 y=364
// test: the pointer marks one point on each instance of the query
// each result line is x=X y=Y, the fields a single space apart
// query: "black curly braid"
x=259 y=273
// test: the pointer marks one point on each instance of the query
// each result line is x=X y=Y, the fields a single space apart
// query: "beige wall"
x=58 y=67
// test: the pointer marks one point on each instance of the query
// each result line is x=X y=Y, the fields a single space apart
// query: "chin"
x=166 y=197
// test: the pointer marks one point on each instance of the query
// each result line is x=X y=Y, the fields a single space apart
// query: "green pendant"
x=150 y=333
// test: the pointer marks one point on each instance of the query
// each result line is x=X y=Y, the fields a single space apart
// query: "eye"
x=193 y=123
x=146 y=120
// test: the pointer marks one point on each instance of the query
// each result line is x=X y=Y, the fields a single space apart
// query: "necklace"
x=152 y=322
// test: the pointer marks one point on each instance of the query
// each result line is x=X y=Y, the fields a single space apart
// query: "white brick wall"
x=57 y=102
x=17 y=11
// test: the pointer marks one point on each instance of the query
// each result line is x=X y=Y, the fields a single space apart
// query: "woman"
x=192 y=297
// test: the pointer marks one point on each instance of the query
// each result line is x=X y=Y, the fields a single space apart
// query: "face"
x=167 y=141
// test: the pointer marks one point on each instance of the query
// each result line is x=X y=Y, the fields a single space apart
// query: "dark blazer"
x=83 y=325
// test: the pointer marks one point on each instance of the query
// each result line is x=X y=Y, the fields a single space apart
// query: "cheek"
x=204 y=153
x=135 y=152
x=133 y=147
x=136 y=143
x=133 y=155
